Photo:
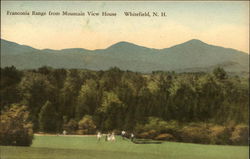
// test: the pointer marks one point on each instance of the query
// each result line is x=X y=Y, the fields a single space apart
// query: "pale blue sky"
x=219 y=23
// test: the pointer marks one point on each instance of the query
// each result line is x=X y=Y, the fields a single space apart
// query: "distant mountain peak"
x=195 y=41
x=124 y=44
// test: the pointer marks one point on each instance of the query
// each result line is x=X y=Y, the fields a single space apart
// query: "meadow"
x=87 y=147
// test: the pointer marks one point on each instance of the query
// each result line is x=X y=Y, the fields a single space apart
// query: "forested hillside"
x=59 y=99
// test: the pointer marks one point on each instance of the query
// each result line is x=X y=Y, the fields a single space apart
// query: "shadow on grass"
x=146 y=141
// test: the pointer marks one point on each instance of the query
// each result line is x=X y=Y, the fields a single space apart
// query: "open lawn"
x=87 y=147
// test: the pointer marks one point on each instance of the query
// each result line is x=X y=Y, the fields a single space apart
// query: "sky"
x=224 y=23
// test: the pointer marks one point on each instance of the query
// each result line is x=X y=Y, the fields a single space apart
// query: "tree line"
x=84 y=101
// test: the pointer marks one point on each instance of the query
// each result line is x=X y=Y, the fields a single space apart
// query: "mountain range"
x=190 y=56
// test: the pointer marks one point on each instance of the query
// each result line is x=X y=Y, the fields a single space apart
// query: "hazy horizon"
x=224 y=24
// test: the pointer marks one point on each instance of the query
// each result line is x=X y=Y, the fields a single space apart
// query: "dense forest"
x=160 y=105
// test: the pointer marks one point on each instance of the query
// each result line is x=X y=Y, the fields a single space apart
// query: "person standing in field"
x=64 y=132
x=123 y=134
x=99 y=135
x=112 y=136
x=132 y=137
x=109 y=137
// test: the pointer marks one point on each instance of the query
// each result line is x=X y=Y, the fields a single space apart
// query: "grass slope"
x=72 y=147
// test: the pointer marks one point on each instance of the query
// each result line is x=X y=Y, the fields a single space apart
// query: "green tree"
x=88 y=99
x=210 y=98
x=220 y=73
x=15 y=129
x=9 y=93
x=111 y=110
x=48 y=118
x=69 y=93
x=86 y=125
x=182 y=100
x=35 y=89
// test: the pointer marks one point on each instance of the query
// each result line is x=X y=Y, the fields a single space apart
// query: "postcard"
x=124 y=79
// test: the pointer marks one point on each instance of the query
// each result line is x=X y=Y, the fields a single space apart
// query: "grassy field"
x=87 y=147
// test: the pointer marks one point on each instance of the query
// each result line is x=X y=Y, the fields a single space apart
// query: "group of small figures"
x=124 y=135
x=111 y=136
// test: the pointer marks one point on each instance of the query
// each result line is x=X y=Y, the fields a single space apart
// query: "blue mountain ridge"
x=193 y=55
